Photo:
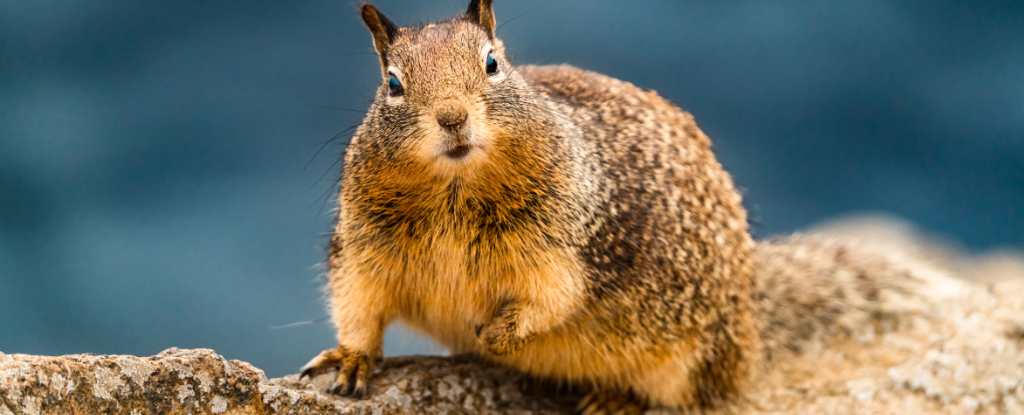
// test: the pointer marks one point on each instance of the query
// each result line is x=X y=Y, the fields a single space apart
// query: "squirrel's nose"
x=452 y=119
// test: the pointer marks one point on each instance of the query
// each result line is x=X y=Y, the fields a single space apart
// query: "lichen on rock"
x=199 y=381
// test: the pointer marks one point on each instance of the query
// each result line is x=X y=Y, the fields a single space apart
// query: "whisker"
x=298 y=323
x=325 y=143
x=333 y=165
x=357 y=53
x=335 y=108
x=514 y=18
x=334 y=188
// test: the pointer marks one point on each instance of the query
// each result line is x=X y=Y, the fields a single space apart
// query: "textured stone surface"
x=967 y=356
x=201 y=382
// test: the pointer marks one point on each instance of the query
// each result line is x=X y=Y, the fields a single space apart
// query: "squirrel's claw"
x=353 y=370
x=317 y=365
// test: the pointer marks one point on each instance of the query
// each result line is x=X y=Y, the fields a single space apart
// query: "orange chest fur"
x=449 y=281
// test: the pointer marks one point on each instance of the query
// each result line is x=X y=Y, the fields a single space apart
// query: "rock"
x=963 y=356
x=201 y=382
x=967 y=357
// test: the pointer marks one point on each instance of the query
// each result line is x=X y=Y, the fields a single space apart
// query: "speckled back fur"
x=671 y=261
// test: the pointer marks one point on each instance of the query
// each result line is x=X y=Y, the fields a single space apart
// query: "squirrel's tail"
x=814 y=287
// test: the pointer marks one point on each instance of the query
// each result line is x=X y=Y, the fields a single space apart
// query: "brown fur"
x=815 y=287
x=588 y=235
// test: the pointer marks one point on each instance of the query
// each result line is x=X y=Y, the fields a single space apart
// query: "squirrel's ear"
x=481 y=13
x=383 y=30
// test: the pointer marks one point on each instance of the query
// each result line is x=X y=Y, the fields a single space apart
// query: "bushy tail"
x=814 y=287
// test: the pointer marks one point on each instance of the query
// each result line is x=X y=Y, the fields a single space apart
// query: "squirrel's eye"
x=395 y=87
x=492 y=64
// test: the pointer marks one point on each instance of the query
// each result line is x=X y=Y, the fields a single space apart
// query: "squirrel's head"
x=449 y=101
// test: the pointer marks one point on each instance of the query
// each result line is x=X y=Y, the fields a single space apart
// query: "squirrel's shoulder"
x=613 y=102
x=639 y=119
x=583 y=88
x=569 y=81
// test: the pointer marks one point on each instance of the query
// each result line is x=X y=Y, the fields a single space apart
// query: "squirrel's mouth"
x=457 y=152
x=457 y=145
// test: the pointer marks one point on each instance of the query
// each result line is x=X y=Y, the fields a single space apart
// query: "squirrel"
x=566 y=224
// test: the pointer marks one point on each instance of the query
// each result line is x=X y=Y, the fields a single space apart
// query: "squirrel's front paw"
x=353 y=370
x=500 y=337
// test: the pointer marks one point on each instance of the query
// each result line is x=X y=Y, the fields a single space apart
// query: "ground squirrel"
x=554 y=220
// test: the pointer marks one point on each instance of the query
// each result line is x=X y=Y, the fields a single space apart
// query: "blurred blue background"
x=155 y=192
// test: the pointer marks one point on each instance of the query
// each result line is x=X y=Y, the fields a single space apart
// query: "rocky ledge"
x=199 y=381
x=967 y=357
